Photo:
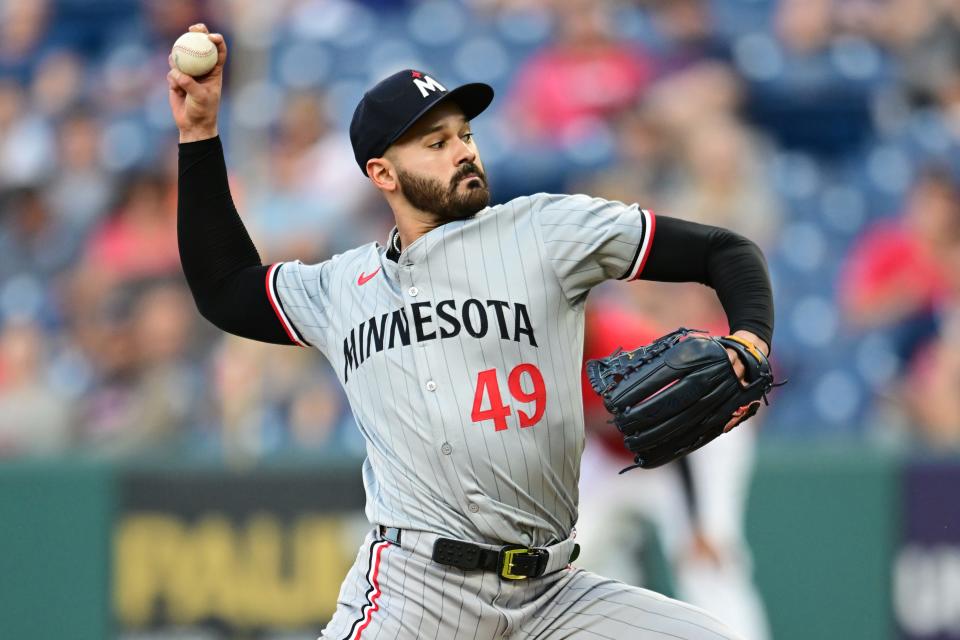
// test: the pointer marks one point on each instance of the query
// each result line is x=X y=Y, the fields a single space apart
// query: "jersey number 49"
x=488 y=384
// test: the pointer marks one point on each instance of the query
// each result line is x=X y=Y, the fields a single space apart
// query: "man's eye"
x=437 y=145
x=467 y=137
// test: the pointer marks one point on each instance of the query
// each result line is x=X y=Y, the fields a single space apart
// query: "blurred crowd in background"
x=826 y=130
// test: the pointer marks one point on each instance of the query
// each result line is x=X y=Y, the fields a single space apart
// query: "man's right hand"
x=195 y=101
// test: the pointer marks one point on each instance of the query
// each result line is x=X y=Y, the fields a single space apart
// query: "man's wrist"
x=196 y=135
x=757 y=341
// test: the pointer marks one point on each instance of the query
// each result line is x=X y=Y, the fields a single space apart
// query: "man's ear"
x=382 y=173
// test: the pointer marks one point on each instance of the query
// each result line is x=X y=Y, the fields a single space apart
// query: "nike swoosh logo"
x=364 y=279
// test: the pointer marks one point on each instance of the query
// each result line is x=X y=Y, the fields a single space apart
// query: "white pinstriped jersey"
x=461 y=360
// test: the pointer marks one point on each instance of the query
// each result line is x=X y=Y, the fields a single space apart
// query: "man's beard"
x=446 y=201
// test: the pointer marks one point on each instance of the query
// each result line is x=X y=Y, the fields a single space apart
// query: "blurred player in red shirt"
x=697 y=504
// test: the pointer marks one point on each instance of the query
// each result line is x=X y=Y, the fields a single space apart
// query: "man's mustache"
x=464 y=171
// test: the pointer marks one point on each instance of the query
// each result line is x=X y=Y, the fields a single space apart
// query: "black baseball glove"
x=678 y=393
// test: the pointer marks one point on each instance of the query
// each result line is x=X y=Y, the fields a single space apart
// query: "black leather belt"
x=510 y=562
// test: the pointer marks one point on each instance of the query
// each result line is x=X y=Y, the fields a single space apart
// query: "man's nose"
x=465 y=153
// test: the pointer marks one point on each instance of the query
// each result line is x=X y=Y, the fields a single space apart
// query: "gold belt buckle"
x=507 y=567
x=508 y=554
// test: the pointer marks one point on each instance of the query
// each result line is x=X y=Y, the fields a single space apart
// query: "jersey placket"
x=415 y=287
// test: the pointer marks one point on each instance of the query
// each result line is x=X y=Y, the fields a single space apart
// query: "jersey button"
x=413 y=291
x=473 y=507
x=446 y=449
x=431 y=385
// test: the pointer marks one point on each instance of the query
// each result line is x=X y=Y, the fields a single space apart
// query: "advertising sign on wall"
x=220 y=555
x=926 y=570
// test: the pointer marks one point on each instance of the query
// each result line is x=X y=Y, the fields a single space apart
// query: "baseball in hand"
x=194 y=53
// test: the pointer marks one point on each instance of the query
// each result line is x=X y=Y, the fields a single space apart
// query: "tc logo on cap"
x=426 y=85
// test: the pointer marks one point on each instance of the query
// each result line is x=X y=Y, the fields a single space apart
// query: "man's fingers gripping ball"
x=172 y=82
x=183 y=84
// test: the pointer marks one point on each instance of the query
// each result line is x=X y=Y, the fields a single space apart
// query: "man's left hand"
x=740 y=369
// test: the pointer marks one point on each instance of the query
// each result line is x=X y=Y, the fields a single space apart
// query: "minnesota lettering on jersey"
x=475 y=317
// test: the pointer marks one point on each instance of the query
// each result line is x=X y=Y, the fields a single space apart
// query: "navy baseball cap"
x=391 y=107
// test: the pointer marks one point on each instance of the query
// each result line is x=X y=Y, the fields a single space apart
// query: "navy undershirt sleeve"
x=733 y=265
x=221 y=265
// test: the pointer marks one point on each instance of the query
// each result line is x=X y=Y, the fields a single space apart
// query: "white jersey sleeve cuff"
x=648 y=223
x=271 y=283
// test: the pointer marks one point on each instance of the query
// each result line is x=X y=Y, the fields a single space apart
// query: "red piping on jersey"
x=276 y=307
x=653 y=229
x=372 y=604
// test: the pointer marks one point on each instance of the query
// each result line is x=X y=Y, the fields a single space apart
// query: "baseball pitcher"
x=458 y=343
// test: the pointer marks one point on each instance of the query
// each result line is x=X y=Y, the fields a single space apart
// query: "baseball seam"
x=195 y=52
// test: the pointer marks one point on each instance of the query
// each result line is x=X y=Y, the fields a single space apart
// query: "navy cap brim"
x=472 y=98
